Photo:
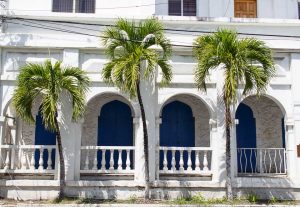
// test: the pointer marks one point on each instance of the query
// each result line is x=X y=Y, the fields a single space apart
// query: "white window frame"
x=74 y=8
x=181 y=8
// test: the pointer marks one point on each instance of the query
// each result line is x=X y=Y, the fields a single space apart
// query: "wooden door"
x=245 y=8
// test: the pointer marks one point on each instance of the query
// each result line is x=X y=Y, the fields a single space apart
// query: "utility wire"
x=104 y=8
x=165 y=29
x=80 y=33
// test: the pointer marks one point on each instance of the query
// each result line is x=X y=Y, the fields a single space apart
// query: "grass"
x=249 y=199
x=196 y=200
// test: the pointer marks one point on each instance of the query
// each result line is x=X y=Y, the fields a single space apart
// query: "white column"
x=293 y=129
x=139 y=175
x=70 y=131
x=290 y=149
x=77 y=140
x=149 y=96
x=158 y=123
x=216 y=155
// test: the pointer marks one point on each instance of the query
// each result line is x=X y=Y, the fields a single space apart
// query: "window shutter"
x=85 y=6
x=189 y=7
x=175 y=7
x=62 y=6
x=245 y=8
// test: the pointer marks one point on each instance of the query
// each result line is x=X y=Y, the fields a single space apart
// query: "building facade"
x=104 y=150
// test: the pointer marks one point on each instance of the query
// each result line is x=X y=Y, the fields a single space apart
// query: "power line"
x=103 y=8
x=81 y=33
x=165 y=29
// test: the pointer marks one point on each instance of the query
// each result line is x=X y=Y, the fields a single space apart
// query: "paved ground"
x=132 y=205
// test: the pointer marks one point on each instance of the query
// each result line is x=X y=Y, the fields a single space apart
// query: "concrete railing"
x=107 y=159
x=261 y=161
x=27 y=158
x=187 y=160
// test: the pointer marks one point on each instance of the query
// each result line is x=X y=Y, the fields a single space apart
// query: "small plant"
x=198 y=199
x=273 y=199
x=133 y=198
x=252 y=198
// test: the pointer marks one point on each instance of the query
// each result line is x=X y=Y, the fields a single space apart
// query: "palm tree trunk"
x=61 y=162
x=228 y=155
x=146 y=148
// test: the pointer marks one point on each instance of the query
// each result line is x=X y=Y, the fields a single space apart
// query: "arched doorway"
x=43 y=137
x=260 y=137
x=115 y=128
x=245 y=136
x=177 y=130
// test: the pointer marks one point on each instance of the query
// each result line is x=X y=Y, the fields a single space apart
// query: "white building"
x=184 y=124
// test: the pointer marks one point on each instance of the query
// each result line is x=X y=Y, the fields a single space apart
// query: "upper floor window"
x=81 y=6
x=182 y=7
x=245 y=8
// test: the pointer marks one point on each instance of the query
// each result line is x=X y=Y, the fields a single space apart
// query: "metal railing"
x=261 y=161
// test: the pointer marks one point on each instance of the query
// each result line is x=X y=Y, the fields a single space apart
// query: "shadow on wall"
x=265 y=188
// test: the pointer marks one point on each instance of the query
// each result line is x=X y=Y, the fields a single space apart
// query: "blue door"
x=43 y=137
x=115 y=128
x=246 y=138
x=177 y=130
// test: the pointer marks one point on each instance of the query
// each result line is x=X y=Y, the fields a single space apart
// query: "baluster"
x=32 y=161
x=7 y=161
x=270 y=164
x=261 y=168
x=173 y=162
x=275 y=160
x=265 y=170
x=205 y=162
x=111 y=161
x=49 y=161
x=246 y=160
x=250 y=160
x=41 y=160
x=197 y=161
x=181 y=163
x=127 y=159
x=95 y=161
x=103 y=162
x=189 y=163
x=165 y=163
x=120 y=160
x=23 y=160
x=280 y=160
x=86 y=164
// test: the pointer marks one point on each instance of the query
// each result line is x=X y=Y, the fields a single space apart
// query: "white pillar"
x=157 y=141
x=293 y=129
x=70 y=131
x=139 y=162
x=149 y=97
x=216 y=155
x=291 y=153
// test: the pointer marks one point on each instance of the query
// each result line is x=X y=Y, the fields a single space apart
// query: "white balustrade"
x=113 y=159
x=185 y=160
x=27 y=158
x=261 y=161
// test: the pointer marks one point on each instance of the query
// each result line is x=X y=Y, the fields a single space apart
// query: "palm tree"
x=245 y=61
x=47 y=81
x=127 y=45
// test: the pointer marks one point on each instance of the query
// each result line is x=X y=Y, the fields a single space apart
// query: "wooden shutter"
x=245 y=8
